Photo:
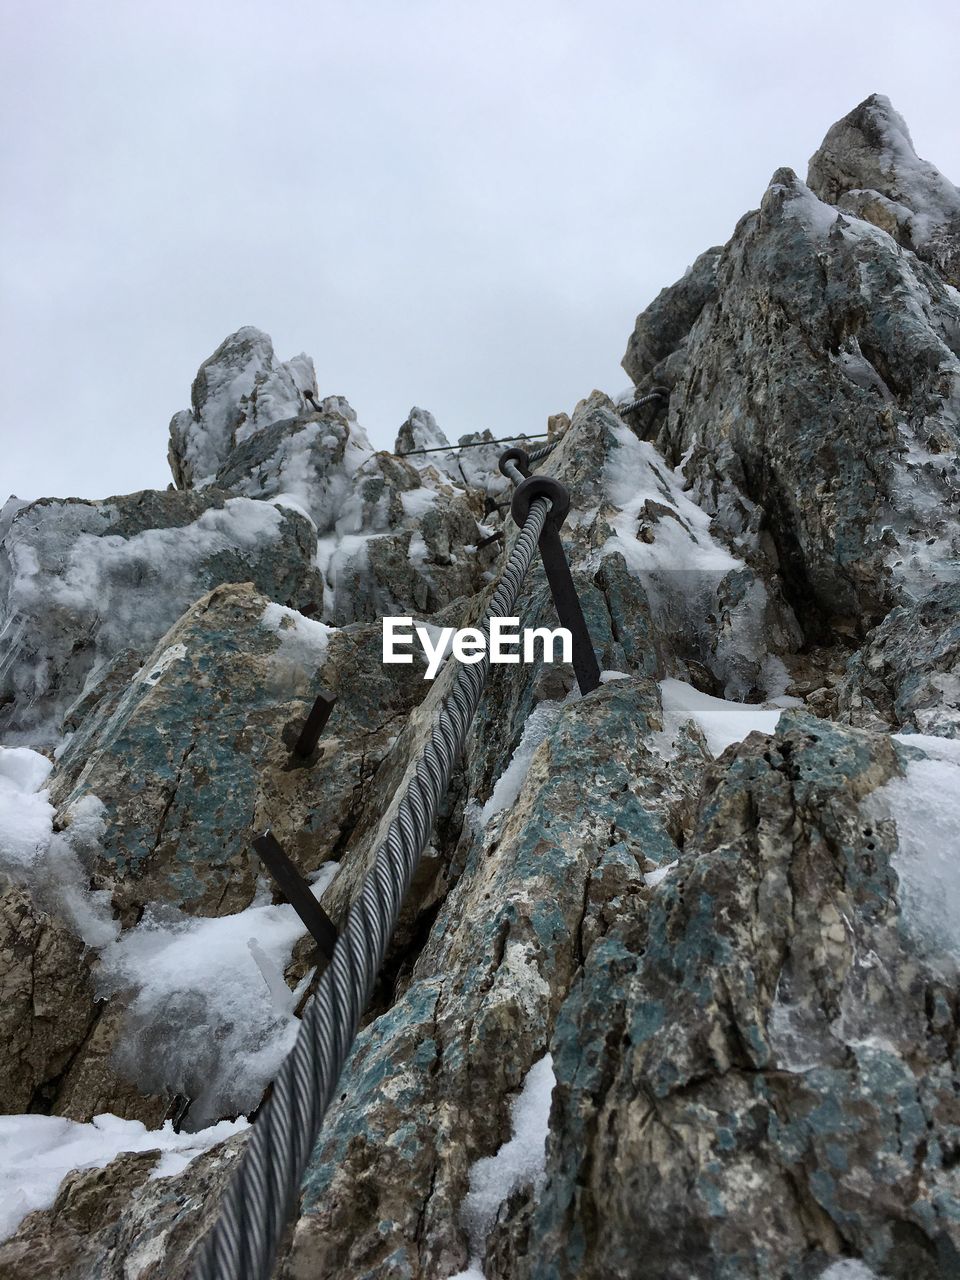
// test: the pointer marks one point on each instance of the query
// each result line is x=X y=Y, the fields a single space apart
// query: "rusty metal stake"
x=297 y=892
x=314 y=724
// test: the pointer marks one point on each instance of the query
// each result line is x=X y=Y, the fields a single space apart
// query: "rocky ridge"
x=711 y=903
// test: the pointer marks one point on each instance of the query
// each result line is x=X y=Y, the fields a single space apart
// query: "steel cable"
x=262 y=1193
x=537 y=455
x=658 y=393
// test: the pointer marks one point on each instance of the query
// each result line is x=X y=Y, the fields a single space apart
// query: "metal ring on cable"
x=518 y=456
x=540 y=486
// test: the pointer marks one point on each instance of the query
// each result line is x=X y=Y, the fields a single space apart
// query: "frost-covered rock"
x=77 y=1237
x=238 y=391
x=726 y=923
x=907 y=674
x=815 y=410
x=420 y=431
x=867 y=165
x=88 y=588
x=157 y=797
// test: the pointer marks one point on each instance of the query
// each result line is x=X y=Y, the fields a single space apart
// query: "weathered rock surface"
x=755 y=1051
x=654 y=349
x=117 y=1222
x=766 y=1077
x=229 y=688
x=867 y=165
x=46 y=997
x=907 y=674
x=814 y=396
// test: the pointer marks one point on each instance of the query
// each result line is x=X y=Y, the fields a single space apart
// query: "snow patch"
x=722 y=722
x=521 y=1160
x=211 y=1016
x=37 y=1152
x=303 y=641
x=49 y=864
x=417 y=502
x=849 y=1269
x=537 y=729
x=635 y=474
x=653 y=878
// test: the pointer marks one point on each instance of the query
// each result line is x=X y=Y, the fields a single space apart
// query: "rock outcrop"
x=674 y=993
x=238 y=391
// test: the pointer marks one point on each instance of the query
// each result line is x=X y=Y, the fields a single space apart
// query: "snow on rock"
x=646 y=493
x=317 y=462
x=851 y=444
x=37 y=1152
x=849 y=1269
x=690 y=578
x=26 y=815
x=510 y=783
x=521 y=1160
x=925 y=804
x=53 y=866
x=84 y=583
x=807 y=445
x=212 y=1017
x=421 y=431
x=722 y=722
x=655 y=877
x=303 y=641
x=239 y=390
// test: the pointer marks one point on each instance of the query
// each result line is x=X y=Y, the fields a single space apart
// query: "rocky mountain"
x=674 y=994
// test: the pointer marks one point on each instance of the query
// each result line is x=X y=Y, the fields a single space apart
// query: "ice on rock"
x=421 y=431
x=688 y=576
x=636 y=476
x=75 y=591
x=51 y=864
x=925 y=805
x=867 y=163
x=211 y=1016
x=241 y=389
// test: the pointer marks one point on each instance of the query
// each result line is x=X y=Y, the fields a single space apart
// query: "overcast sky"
x=449 y=203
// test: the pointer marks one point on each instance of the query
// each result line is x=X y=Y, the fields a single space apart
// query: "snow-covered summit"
x=420 y=431
x=238 y=391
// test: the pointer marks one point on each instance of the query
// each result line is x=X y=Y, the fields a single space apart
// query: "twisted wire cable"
x=658 y=393
x=545 y=449
x=261 y=1196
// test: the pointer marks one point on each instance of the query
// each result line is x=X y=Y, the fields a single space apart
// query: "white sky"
x=448 y=203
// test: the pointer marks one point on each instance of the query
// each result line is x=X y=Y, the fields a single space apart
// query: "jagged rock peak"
x=239 y=390
x=867 y=165
x=420 y=431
